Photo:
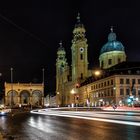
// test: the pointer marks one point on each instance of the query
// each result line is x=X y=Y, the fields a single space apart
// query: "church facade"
x=105 y=88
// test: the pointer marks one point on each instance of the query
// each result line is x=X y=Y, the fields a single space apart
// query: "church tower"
x=112 y=52
x=79 y=50
x=61 y=67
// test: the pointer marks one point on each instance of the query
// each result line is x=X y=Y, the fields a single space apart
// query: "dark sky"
x=30 y=32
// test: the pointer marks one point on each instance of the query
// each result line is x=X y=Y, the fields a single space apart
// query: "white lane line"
x=95 y=119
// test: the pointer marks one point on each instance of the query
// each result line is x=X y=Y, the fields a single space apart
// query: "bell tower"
x=79 y=51
x=61 y=67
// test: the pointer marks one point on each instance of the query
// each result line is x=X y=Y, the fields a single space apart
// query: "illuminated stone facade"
x=115 y=89
x=24 y=94
x=105 y=91
x=67 y=78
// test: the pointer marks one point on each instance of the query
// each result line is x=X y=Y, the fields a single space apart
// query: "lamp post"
x=76 y=97
x=43 y=84
x=12 y=102
x=97 y=74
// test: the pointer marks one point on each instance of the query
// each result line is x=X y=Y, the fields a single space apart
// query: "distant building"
x=115 y=82
x=118 y=85
x=50 y=101
x=24 y=94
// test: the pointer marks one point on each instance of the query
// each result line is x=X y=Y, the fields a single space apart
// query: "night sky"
x=30 y=32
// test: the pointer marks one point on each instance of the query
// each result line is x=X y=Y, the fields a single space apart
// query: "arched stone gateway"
x=25 y=97
x=24 y=94
x=12 y=97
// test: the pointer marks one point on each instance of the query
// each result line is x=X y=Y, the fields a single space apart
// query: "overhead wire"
x=22 y=29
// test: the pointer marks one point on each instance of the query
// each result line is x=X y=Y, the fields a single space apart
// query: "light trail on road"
x=96 y=116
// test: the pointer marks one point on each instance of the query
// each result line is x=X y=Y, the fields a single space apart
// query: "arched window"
x=109 y=61
x=81 y=56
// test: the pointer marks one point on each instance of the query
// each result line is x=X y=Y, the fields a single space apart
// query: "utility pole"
x=43 y=86
x=12 y=101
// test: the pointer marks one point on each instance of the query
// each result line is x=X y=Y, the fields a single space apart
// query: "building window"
x=108 y=83
x=134 y=91
x=121 y=91
x=104 y=84
x=81 y=75
x=127 y=91
x=109 y=61
x=133 y=81
x=102 y=64
x=81 y=56
x=101 y=84
x=111 y=92
x=96 y=86
x=138 y=81
x=91 y=87
x=121 y=81
x=111 y=82
x=119 y=60
x=139 y=92
x=127 y=81
x=108 y=92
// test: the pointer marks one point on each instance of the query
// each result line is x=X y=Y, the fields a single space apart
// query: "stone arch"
x=25 y=97
x=37 y=97
x=12 y=97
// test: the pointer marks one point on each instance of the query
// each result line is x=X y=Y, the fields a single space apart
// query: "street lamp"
x=74 y=91
x=43 y=84
x=12 y=101
x=97 y=73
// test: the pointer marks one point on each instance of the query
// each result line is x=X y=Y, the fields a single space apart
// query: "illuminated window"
x=109 y=61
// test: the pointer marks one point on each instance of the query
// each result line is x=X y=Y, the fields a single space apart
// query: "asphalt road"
x=42 y=127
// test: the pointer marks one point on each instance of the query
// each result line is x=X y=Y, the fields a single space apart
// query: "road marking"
x=89 y=118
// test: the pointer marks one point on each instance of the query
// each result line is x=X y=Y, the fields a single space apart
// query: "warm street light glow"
x=97 y=73
x=72 y=91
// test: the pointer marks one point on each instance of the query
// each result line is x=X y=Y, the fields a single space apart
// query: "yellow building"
x=24 y=94
x=113 y=89
x=68 y=77
x=77 y=85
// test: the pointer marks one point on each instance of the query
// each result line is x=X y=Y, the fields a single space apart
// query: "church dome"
x=112 y=44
